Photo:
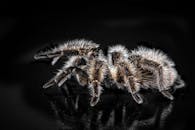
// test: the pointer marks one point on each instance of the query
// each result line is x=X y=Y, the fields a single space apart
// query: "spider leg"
x=72 y=67
x=97 y=72
x=82 y=77
x=130 y=81
x=54 y=55
x=95 y=92
x=60 y=77
x=167 y=94
x=133 y=88
x=70 y=48
x=179 y=83
x=158 y=71
x=63 y=75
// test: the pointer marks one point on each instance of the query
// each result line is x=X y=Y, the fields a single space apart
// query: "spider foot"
x=55 y=56
x=49 y=84
x=94 y=101
x=167 y=94
x=137 y=98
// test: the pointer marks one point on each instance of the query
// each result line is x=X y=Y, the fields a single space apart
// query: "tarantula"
x=140 y=68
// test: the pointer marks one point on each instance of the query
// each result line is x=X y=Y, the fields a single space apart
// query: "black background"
x=27 y=27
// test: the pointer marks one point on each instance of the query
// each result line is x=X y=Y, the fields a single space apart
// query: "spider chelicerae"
x=130 y=70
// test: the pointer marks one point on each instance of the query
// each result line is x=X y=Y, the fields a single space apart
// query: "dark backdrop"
x=27 y=27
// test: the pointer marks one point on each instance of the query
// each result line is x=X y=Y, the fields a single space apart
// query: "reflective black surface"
x=25 y=30
x=116 y=110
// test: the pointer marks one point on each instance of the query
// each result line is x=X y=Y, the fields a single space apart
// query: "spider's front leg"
x=97 y=71
x=60 y=77
x=72 y=67
x=70 y=48
x=54 y=54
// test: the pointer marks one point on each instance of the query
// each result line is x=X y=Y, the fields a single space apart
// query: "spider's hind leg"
x=179 y=83
x=157 y=69
x=137 y=98
x=167 y=94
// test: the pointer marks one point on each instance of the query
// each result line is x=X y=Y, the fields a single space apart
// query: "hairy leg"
x=71 y=67
x=95 y=92
x=133 y=88
x=70 y=48
x=54 y=55
x=60 y=77
x=179 y=83
x=82 y=77
x=158 y=71
x=97 y=70
x=167 y=94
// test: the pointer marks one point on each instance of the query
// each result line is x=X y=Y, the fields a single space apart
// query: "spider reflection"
x=115 y=111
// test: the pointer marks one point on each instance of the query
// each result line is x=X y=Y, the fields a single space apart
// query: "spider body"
x=140 y=68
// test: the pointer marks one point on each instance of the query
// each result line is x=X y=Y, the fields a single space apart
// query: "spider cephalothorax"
x=139 y=68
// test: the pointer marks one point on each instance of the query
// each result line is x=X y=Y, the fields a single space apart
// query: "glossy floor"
x=26 y=105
